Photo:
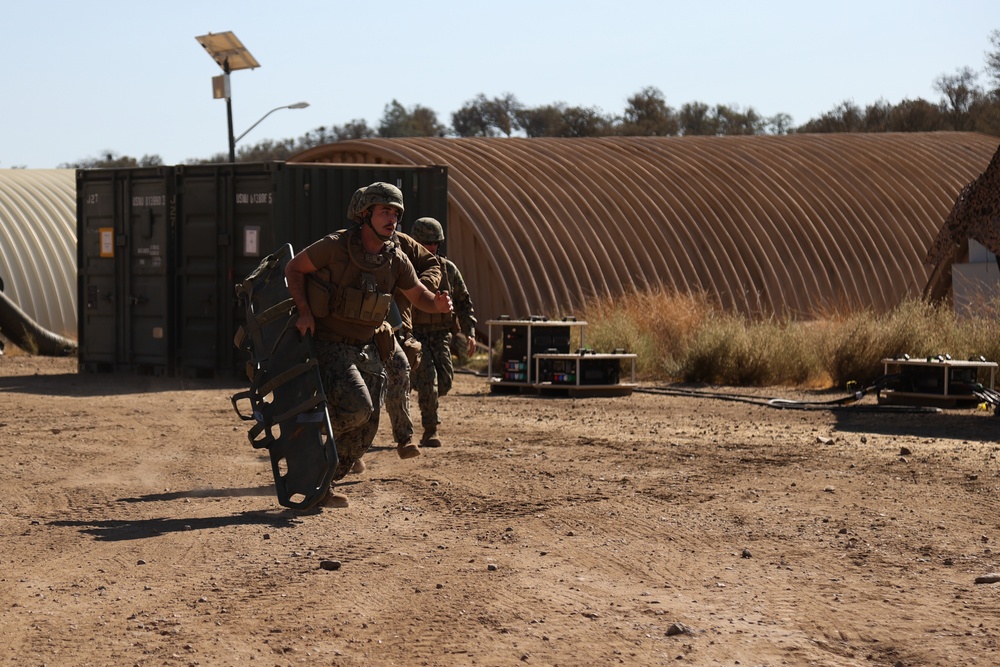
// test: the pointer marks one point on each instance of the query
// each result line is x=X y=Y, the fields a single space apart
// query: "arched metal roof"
x=38 y=245
x=799 y=224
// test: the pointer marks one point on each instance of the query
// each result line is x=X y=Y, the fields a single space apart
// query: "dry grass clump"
x=853 y=345
x=732 y=350
x=681 y=336
x=656 y=325
x=684 y=337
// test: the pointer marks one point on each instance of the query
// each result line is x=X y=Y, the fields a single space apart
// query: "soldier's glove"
x=385 y=341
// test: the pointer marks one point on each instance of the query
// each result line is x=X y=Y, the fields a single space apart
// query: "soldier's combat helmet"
x=427 y=230
x=379 y=193
x=352 y=207
x=376 y=193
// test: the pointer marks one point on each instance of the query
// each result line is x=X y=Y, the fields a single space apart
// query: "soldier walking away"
x=342 y=286
x=434 y=376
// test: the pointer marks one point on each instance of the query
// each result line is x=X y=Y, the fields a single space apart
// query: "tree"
x=845 y=117
x=960 y=92
x=696 y=119
x=502 y=113
x=543 y=121
x=917 y=115
x=586 y=122
x=732 y=121
x=993 y=59
x=647 y=115
x=878 y=116
x=355 y=129
x=472 y=119
x=985 y=115
x=267 y=150
x=908 y=116
x=779 y=123
x=559 y=120
x=419 y=121
x=482 y=117
x=425 y=122
x=395 y=121
x=217 y=158
x=111 y=159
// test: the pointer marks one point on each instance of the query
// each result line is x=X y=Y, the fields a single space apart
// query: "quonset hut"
x=798 y=225
x=38 y=245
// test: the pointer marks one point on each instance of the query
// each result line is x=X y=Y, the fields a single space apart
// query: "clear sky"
x=82 y=78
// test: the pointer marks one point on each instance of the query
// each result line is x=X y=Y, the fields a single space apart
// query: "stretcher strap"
x=262 y=411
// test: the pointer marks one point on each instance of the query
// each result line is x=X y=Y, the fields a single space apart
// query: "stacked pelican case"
x=537 y=356
x=160 y=250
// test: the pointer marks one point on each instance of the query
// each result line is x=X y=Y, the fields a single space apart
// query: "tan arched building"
x=799 y=224
x=38 y=245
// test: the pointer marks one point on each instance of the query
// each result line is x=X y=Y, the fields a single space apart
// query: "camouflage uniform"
x=397 y=396
x=434 y=377
x=350 y=280
x=355 y=384
x=399 y=365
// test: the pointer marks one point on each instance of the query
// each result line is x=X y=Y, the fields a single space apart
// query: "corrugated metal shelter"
x=798 y=224
x=38 y=245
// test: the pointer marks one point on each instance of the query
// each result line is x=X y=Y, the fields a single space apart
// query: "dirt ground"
x=139 y=527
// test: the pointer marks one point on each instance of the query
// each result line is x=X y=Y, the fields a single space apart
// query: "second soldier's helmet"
x=352 y=207
x=378 y=193
x=427 y=230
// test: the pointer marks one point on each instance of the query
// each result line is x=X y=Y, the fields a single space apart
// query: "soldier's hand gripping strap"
x=385 y=341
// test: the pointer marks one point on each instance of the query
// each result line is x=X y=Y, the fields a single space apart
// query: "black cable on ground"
x=844 y=403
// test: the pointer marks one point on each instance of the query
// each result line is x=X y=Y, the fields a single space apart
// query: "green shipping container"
x=160 y=251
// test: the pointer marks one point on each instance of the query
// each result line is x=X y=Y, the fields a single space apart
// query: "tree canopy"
x=964 y=105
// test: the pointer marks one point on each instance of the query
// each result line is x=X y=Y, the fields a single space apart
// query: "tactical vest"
x=434 y=321
x=352 y=290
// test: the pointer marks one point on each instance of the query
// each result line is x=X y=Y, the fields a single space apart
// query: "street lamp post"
x=229 y=115
x=230 y=54
x=232 y=148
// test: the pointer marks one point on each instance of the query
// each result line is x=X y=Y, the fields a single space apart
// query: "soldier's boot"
x=334 y=500
x=430 y=438
x=407 y=450
x=358 y=467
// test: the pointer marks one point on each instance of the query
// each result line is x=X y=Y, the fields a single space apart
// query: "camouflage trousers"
x=433 y=377
x=397 y=395
x=354 y=380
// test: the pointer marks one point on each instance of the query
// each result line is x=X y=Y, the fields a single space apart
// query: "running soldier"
x=351 y=277
x=406 y=352
x=434 y=376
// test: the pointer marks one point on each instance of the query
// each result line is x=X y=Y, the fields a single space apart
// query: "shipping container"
x=161 y=250
x=125 y=230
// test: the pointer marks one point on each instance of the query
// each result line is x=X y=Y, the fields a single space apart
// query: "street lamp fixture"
x=230 y=54
x=297 y=105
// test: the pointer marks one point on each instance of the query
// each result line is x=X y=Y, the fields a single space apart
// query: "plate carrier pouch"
x=349 y=290
x=286 y=387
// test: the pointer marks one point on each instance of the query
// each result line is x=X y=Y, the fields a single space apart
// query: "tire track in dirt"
x=607 y=521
